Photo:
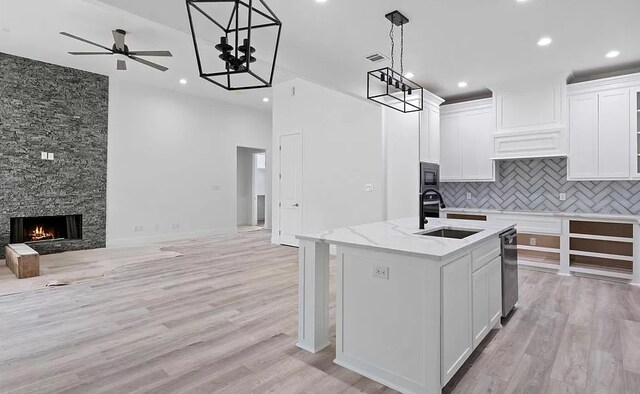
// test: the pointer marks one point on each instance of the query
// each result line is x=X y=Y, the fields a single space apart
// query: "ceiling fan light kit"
x=392 y=88
x=120 y=48
x=234 y=26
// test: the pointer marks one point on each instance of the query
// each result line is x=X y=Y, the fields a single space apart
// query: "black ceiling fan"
x=119 y=48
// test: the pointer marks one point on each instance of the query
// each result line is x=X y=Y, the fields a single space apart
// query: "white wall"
x=342 y=151
x=172 y=163
x=402 y=158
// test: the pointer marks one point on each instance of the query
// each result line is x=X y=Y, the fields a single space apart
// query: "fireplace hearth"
x=45 y=228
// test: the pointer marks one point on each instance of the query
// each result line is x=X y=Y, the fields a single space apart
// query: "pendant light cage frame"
x=390 y=88
x=230 y=27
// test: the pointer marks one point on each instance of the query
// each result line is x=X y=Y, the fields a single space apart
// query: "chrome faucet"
x=422 y=196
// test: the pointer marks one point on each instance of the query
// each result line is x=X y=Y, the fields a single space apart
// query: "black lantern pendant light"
x=389 y=87
x=235 y=25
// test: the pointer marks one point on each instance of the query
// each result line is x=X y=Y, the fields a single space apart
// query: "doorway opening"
x=251 y=189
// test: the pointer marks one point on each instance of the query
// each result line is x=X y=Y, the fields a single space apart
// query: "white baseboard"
x=140 y=241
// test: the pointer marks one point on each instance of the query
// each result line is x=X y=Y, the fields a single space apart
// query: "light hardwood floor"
x=222 y=318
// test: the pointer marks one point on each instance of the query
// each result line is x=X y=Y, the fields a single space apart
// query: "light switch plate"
x=368 y=188
x=49 y=156
x=468 y=196
x=563 y=196
x=43 y=155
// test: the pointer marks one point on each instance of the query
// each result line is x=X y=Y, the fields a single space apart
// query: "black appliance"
x=509 y=243
x=429 y=179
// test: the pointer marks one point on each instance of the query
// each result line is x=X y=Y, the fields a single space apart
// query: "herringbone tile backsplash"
x=535 y=185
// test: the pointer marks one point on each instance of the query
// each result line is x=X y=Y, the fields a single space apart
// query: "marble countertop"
x=403 y=236
x=578 y=215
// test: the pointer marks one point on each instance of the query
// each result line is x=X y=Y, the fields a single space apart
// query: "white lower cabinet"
x=487 y=299
x=471 y=304
x=456 y=343
x=494 y=274
x=480 y=305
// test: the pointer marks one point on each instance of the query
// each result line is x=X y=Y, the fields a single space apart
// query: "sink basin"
x=455 y=233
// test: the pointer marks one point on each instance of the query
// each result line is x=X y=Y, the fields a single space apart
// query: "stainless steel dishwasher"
x=509 y=245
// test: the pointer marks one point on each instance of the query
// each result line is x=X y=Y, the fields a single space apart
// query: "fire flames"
x=40 y=233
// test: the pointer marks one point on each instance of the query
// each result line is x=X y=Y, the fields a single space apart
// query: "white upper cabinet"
x=430 y=129
x=466 y=147
x=530 y=120
x=583 y=136
x=635 y=132
x=602 y=136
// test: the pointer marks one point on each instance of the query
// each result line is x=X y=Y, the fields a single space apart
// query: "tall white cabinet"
x=603 y=136
x=466 y=148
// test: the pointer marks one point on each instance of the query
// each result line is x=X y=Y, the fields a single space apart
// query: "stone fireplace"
x=53 y=156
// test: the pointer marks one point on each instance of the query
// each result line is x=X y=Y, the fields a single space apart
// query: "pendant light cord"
x=392 y=45
x=402 y=51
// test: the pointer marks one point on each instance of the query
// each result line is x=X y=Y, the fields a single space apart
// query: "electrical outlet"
x=563 y=196
x=468 y=196
x=533 y=241
x=293 y=90
x=49 y=156
x=381 y=272
x=43 y=155
x=368 y=188
x=138 y=228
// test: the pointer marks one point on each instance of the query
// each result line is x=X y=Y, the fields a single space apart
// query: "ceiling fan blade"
x=148 y=63
x=83 y=40
x=91 y=53
x=118 y=38
x=151 y=53
x=122 y=65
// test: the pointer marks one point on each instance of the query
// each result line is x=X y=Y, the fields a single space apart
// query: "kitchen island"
x=411 y=304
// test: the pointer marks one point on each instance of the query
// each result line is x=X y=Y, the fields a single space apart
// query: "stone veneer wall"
x=48 y=108
x=535 y=185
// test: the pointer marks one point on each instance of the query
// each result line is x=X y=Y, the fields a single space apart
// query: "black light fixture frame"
x=402 y=88
x=235 y=30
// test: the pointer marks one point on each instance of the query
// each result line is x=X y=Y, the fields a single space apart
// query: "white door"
x=613 y=138
x=290 y=188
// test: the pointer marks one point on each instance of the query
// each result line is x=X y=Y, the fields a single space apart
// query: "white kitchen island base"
x=410 y=309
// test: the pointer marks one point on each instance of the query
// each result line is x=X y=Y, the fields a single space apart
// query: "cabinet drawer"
x=485 y=254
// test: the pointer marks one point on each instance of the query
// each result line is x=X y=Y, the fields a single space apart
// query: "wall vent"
x=376 y=57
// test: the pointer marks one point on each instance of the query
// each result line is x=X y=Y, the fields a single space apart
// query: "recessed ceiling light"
x=522 y=1
x=321 y=1
x=544 y=41
x=183 y=81
x=409 y=75
x=462 y=84
x=612 y=54
x=265 y=100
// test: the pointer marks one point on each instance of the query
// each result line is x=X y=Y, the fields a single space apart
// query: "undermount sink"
x=455 y=233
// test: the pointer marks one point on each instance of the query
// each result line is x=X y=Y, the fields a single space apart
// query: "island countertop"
x=403 y=236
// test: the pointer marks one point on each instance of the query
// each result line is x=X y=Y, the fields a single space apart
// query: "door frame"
x=287 y=134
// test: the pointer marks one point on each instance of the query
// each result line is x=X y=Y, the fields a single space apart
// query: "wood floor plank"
x=219 y=314
x=630 y=345
x=572 y=361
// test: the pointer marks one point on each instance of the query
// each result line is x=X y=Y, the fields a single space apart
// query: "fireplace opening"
x=45 y=228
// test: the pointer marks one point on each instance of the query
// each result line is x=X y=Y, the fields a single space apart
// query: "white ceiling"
x=485 y=43
x=31 y=29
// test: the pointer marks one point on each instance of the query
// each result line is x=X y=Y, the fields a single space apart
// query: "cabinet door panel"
x=613 y=137
x=477 y=145
x=450 y=151
x=480 y=295
x=494 y=279
x=430 y=135
x=583 y=137
x=456 y=342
